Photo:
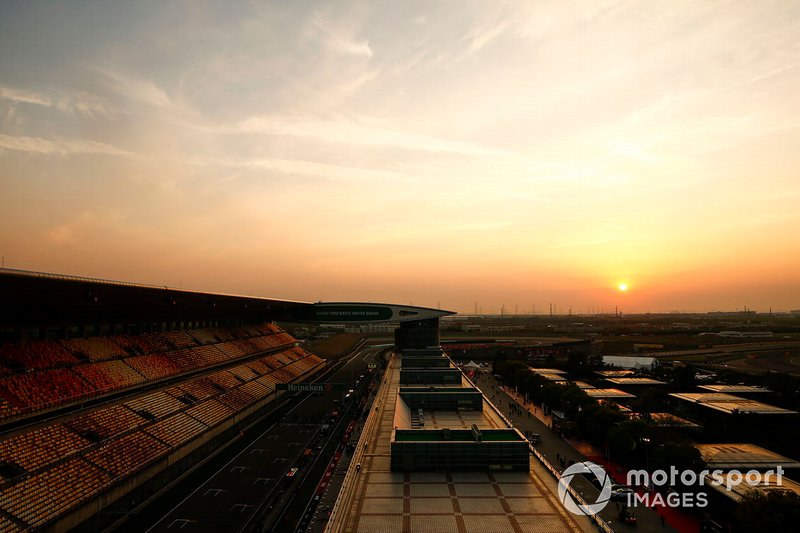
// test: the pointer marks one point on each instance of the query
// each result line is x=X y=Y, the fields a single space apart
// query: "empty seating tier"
x=109 y=375
x=34 y=355
x=177 y=429
x=198 y=357
x=210 y=412
x=6 y=525
x=203 y=336
x=259 y=368
x=135 y=344
x=96 y=348
x=200 y=389
x=224 y=379
x=179 y=339
x=40 y=447
x=58 y=467
x=127 y=454
x=268 y=381
x=255 y=389
x=41 y=389
x=236 y=399
x=243 y=372
x=247 y=346
x=44 y=496
x=155 y=405
x=105 y=423
x=42 y=375
x=154 y=366
x=230 y=349
x=283 y=375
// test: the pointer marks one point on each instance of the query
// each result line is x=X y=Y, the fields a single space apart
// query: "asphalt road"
x=249 y=485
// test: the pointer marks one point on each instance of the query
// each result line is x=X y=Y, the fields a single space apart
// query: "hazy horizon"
x=515 y=154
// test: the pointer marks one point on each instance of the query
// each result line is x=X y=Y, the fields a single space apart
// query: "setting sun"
x=623 y=287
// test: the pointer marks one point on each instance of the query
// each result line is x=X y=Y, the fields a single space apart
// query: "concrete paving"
x=374 y=498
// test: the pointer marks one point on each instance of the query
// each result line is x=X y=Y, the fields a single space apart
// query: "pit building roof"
x=608 y=393
x=739 y=486
x=742 y=456
x=547 y=371
x=721 y=387
x=635 y=381
x=727 y=403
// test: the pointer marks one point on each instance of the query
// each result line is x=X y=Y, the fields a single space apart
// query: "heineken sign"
x=310 y=387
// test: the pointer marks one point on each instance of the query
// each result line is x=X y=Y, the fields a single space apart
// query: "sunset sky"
x=412 y=152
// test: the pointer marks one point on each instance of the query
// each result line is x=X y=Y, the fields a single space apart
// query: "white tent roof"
x=625 y=361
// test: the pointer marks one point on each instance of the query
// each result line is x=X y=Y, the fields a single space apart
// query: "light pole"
x=646 y=441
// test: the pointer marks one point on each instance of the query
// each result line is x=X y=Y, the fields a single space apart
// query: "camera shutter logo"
x=586 y=467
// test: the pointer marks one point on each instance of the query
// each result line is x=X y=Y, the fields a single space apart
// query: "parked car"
x=621 y=493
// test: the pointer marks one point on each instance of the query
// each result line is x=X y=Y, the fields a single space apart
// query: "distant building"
x=745 y=334
x=632 y=362
x=371 y=328
x=609 y=394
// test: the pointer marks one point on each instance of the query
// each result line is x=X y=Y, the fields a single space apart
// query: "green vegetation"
x=776 y=511
x=681 y=455
x=603 y=425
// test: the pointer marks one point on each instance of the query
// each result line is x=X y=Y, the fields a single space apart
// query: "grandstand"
x=107 y=446
x=108 y=390
x=92 y=410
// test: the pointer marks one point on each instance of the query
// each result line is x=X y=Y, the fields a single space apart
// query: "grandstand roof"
x=54 y=300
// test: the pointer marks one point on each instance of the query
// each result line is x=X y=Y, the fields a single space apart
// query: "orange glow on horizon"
x=368 y=158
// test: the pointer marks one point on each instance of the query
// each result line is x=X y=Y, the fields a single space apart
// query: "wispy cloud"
x=307 y=168
x=338 y=39
x=25 y=97
x=134 y=87
x=58 y=146
x=483 y=36
x=79 y=102
x=359 y=132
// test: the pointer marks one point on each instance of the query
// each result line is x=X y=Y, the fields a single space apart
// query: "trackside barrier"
x=338 y=520
x=596 y=518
